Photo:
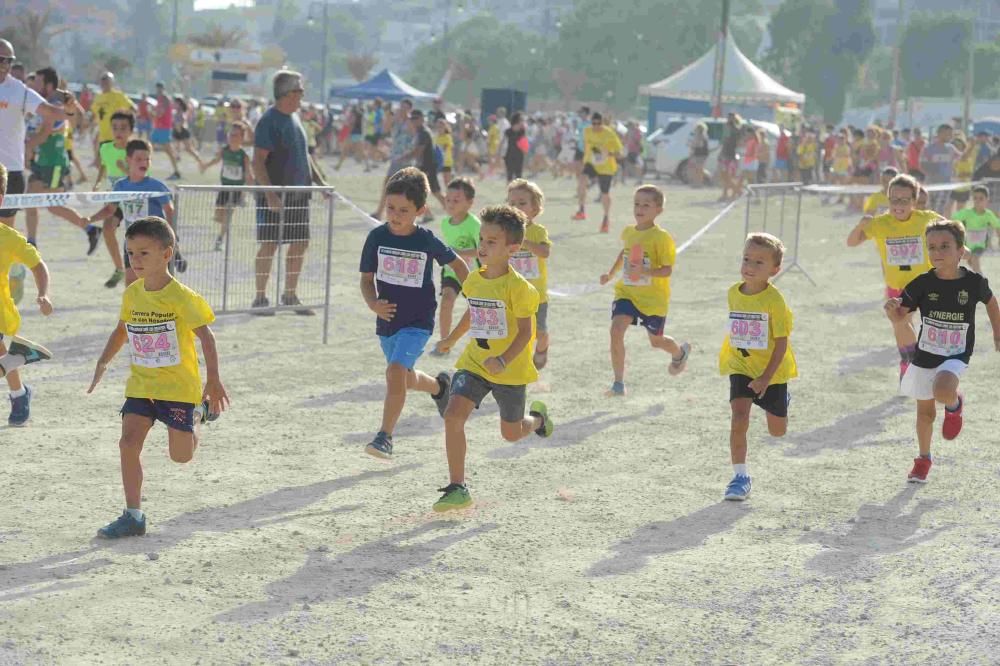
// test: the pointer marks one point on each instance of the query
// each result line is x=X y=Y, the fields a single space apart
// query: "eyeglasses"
x=7 y=60
x=900 y=202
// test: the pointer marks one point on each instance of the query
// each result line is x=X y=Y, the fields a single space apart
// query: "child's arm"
x=118 y=337
x=247 y=170
x=215 y=391
x=496 y=364
x=542 y=250
x=215 y=160
x=461 y=328
x=857 y=235
x=615 y=267
x=759 y=385
x=461 y=268
x=103 y=214
x=41 y=273
x=993 y=311
x=100 y=175
x=382 y=309
x=168 y=212
x=895 y=309
x=662 y=271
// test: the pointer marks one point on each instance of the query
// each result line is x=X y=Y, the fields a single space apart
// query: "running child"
x=397 y=286
x=902 y=246
x=532 y=260
x=946 y=297
x=756 y=354
x=460 y=230
x=978 y=221
x=235 y=171
x=642 y=295
x=16 y=351
x=497 y=359
x=112 y=155
x=159 y=320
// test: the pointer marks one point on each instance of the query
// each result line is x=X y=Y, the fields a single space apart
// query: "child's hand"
x=758 y=386
x=215 y=394
x=98 y=373
x=606 y=278
x=45 y=305
x=893 y=308
x=444 y=346
x=384 y=310
x=493 y=365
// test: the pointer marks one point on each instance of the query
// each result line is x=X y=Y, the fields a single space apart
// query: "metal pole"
x=798 y=226
x=969 y=78
x=894 y=95
x=720 y=62
x=767 y=196
x=177 y=220
x=279 y=253
x=322 y=76
x=329 y=268
x=225 y=260
x=746 y=222
x=782 y=213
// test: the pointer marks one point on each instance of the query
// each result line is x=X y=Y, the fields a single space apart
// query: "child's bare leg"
x=111 y=243
x=515 y=431
x=181 y=444
x=619 y=324
x=926 y=413
x=455 y=416
x=134 y=430
x=398 y=380
x=946 y=389
x=666 y=343
x=738 y=428
x=445 y=310
x=776 y=425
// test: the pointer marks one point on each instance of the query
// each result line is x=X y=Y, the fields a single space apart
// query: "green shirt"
x=110 y=154
x=52 y=151
x=977 y=226
x=462 y=236
x=233 y=166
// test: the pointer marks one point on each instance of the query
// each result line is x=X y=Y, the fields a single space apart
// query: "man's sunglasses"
x=7 y=60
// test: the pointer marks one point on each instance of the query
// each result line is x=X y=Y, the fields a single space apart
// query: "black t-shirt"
x=947 y=315
x=425 y=157
x=514 y=151
x=396 y=262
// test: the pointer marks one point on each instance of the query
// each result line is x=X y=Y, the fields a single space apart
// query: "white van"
x=670 y=144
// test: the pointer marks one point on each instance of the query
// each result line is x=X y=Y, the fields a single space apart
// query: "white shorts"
x=918 y=383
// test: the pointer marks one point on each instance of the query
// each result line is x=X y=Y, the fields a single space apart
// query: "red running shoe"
x=921 y=468
x=953 y=420
x=903 y=365
x=579 y=215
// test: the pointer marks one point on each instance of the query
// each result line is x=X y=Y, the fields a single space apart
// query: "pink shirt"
x=165 y=121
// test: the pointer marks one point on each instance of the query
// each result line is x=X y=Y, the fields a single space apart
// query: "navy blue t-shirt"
x=402 y=266
x=284 y=137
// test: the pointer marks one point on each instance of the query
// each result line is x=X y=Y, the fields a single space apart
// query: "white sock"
x=741 y=470
x=135 y=513
x=11 y=362
x=18 y=394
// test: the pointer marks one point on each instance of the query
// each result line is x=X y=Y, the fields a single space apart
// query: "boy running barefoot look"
x=642 y=295
x=460 y=230
x=532 y=260
x=946 y=296
x=159 y=321
x=497 y=359
x=978 y=221
x=397 y=286
x=756 y=353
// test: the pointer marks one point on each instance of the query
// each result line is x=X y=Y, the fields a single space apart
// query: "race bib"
x=748 y=330
x=488 y=318
x=906 y=251
x=977 y=237
x=232 y=171
x=401 y=267
x=525 y=263
x=154 y=345
x=943 y=338
x=134 y=210
x=597 y=157
x=637 y=281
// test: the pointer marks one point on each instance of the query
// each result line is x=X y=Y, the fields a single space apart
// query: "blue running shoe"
x=123 y=526
x=738 y=489
x=20 y=409
x=617 y=390
x=381 y=446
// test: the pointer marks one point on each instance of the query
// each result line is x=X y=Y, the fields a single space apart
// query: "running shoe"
x=921 y=468
x=292 y=299
x=174 y=176
x=538 y=408
x=17 y=274
x=903 y=366
x=206 y=415
x=605 y=226
x=456 y=496
x=124 y=525
x=93 y=238
x=381 y=446
x=952 y=424
x=677 y=365
x=20 y=409
x=617 y=390
x=541 y=359
x=579 y=215
x=115 y=278
x=32 y=352
x=444 y=392
x=261 y=307
x=738 y=489
x=180 y=263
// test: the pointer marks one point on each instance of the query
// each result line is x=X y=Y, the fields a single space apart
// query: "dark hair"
x=3 y=181
x=137 y=144
x=907 y=181
x=596 y=115
x=152 y=227
x=416 y=113
x=508 y=218
x=890 y=172
x=181 y=103
x=125 y=115
x=18 y=65
x=953 y=227
x=411 y=183
x=49 y=76
x=981 y=189
x=465 y=185
x=516 y=118
x=407 y=101
x=942 y=127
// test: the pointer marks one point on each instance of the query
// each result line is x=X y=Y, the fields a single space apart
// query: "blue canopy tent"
x=384 y=85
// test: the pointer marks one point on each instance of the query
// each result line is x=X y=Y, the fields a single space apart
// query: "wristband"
x=503 y=363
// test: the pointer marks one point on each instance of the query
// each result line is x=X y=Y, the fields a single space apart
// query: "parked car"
x=670 y=144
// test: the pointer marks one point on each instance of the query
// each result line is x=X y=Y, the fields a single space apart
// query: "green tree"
x=986 y=71
x=934 y=55
x=818 y=47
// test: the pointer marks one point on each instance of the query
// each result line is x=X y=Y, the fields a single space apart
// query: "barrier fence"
x=783 y=200
x=258 y=250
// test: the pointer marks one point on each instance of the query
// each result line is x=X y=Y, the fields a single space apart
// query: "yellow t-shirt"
x=104 y=106
x=161 y=328
x=600 y=149
x=494 y=308
x=445 y=143
x=14 y=248
x=876 y=203
x=807 y=155
x=534 y=268
x=754 y=323
x=901 y=245
x=651 y=295
x=842 y=158
x=493 y=138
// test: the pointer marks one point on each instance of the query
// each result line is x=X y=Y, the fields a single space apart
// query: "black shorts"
x=296 y=222
x=433 y=180
x=603 y=181
x=632 y=158
x=451 y=283
x=228 y=199
x=182 y=134
x=577 y=155
x=774 y=401
x=918 y=174
x=176 y=415
x=864 y=172
x=15 y=185
x=373 y=138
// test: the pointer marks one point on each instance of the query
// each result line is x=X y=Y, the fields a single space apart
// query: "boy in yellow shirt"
x=16 y=351
x=756 y=353
x=601 y=150
x=902 y=246
x=532 y=260
x=497 y=360
x=642 y=295
x=159 y=320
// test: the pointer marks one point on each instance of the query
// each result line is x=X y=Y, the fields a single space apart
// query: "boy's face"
x=645 y=208
x=494 y=250
x=138 y=164
x=944 y=135
x=147 y=256
x=980 y=201
x=521 y=200
x=943 y=250
x=401 y=213
x=235 y=137
x=901 y=201
x=120 y=130
x=456 y=204
x=758 y=263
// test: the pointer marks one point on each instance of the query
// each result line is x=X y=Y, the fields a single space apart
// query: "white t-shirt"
x=16 y=100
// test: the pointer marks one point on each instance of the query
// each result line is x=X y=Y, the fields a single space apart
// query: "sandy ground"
x=608 y=543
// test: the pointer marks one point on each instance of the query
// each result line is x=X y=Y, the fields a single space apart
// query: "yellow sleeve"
x=781 y=318
x=525 y=300
x=543 y=239
x=126 y=309
x=196 y=312
x=667 y=250
x=26 y=253
x=870 y=205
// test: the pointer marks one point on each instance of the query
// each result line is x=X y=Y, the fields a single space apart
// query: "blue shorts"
x=652 y=323
x=160 y=136
x=143 y=126
x=176 y=415
x=781 y=165
x=404 y=346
